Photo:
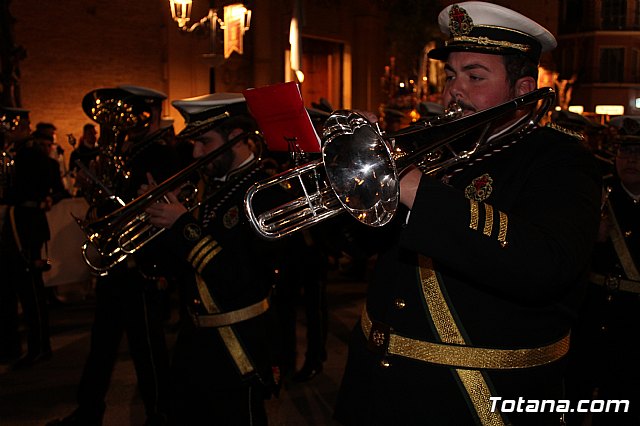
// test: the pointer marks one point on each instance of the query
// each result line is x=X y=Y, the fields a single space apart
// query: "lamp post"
x=237 y=19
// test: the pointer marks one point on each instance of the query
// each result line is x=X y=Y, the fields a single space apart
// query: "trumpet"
x=115 y=236
x=360 y=168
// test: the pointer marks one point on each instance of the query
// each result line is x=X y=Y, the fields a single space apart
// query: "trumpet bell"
x=360 y=169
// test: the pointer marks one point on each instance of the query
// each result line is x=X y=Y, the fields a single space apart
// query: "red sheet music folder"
x=282 y=117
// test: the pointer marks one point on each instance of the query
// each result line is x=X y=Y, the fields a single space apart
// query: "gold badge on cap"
x=231 y=217
x=460 y=23
x=480 y=188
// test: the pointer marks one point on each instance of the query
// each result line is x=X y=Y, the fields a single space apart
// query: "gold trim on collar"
x=564 y=130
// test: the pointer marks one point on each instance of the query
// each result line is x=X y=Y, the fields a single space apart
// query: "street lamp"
x=237 y=19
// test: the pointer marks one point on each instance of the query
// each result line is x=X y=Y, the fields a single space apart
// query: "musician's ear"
x=524 y=85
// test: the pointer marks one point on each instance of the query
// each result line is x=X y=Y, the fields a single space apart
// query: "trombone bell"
x=361 y=167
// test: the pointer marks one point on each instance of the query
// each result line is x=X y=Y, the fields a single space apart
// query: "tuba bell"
x=116 y=112
x=14 y=127
x=360 y=168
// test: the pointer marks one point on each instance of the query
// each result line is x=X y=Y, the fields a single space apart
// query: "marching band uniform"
x=305 y=268
x=14 y=126
x=36 y=186
x=603 y=359
x=476 y=294
x=128 y=299
x=222 y=362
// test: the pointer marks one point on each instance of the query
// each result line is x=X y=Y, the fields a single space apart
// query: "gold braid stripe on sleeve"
x=473 y=224
x=208 y=248
x=502 y=233
x=488 y=220
x=207 y=259
x=194 y=251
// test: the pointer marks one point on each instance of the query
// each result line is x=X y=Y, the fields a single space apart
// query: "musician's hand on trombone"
x=146 y=187
x=163 y=213
x=409 y=183
x=368 y=115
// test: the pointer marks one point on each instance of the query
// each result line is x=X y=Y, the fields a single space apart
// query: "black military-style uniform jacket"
x=37 y=176
x=156 y=154
x=604 y=356
x=127 y=298
x=84 y=154
x=509 y=239
x=221 y=253
x=626 y=210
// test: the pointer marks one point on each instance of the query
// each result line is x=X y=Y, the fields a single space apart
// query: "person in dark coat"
x=467 y=318
x=603 y=358
x=129 y=299
x=15 y=127
x=35 y=186
x=83 y=155
x=223 y=356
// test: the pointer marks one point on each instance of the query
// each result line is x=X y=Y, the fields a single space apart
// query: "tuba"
x=6 y=174
x=116 y=113
x=360 y=168
x=13 y=121
x=112 y=238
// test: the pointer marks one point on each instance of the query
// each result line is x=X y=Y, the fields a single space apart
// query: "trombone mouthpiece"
x=454 y=110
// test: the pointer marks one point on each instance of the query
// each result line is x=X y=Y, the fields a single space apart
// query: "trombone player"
x=129 y=297
x=472 y=300
x=222 y=366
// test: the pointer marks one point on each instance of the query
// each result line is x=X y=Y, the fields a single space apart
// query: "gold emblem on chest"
x=231 y=217
x=480 y=188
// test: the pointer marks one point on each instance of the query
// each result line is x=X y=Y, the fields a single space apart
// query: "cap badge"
x=460 y=23
x=480 y=188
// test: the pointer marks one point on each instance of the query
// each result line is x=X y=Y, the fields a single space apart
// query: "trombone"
x=115 y=236
x=360 y=168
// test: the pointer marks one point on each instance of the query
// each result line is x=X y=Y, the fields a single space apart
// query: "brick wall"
x=76 y=46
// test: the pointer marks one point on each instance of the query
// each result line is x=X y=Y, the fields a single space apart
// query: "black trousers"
x=126 y=303
x=23 y=282
x=302 y=279
x=314 y=301
x=207 y=389
x=10 y=346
